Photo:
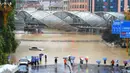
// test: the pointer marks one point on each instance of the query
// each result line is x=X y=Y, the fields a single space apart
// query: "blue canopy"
x=72 y=57
x=98 y=61
x=104 y=58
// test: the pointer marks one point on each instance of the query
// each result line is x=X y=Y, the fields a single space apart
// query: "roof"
x=66 y=19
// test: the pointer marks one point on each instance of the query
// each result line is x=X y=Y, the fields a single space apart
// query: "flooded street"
x=69 y=44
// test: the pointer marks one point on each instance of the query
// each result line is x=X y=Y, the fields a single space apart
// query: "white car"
x=23 y=61
x=36 y=48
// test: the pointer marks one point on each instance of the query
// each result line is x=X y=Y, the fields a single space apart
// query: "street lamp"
x=5 y=8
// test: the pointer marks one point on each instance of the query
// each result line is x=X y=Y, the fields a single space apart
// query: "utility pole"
x=127 y=17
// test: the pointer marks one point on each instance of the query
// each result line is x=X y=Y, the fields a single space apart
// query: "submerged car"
x=36 y=48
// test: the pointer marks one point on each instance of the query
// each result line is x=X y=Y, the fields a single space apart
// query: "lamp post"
x=5 y=8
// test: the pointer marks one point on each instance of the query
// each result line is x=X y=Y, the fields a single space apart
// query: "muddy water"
x=54 y=47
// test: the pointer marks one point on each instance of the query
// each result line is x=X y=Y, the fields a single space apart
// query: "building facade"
x=129 y=4
x=65 y=5
x=27 y=4
x=78 y=5
x=109 y=5
x=106 y=5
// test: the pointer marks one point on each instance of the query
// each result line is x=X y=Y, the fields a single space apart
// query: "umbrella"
x=65 y=57
x=55 y=57
x=98 y=61
x=41 y=54
x=104 y=58
x=72 y=57
x=117 y=61
x=128 y=61
x=124 y=62
x=86 y=58
x=82 y=58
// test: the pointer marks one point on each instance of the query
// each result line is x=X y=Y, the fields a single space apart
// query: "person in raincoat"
x=37 y=60
x=32 y=61
x=65 y=62
x=112 y=63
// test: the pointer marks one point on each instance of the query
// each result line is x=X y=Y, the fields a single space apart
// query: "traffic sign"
x=116 y=26
x=125 y=30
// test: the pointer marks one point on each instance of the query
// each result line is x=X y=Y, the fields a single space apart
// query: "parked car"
x=23 y=61
x=23 y=68
x=36 y=48
x=126 y=70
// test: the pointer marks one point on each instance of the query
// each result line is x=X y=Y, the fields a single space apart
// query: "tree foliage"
x=109 y=37
x=8 y=43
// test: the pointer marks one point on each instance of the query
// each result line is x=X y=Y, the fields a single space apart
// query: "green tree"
x=8 y=43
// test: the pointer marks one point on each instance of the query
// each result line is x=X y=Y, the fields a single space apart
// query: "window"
x=80 y=6
x=111 y=0
x=81 y=0
x=85 y=6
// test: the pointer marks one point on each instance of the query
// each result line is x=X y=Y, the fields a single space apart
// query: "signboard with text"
x=125 y=30
x=116 y=27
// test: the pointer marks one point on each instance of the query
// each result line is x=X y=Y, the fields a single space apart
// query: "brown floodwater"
x=62 y=45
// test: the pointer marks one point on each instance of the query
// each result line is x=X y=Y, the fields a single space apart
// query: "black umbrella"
x=55 y=57
x=65 y=57
x=41 y=54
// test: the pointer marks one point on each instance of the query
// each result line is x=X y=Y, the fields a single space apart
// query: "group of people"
x=36 y=60
x=72 y=58
x=113 y=62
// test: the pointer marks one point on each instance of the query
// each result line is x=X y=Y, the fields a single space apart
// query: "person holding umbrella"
x=104 y=59
x=81 y=60
x=86 y=59
x=40 y=56
x=65 y=61
x=56 y=60
x=117 y=62
x=69 y=59
x=112 y=63
x=98 y=61
x=72 y=58
x=125 y=63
